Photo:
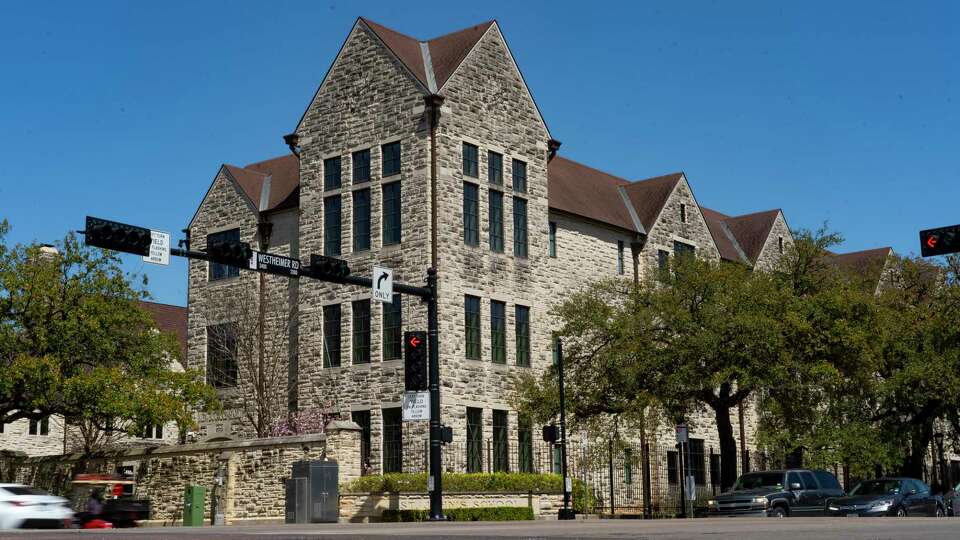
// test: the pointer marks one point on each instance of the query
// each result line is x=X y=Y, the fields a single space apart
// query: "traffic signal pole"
x=136 y=240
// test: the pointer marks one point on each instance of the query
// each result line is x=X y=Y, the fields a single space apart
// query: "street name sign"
x=382 y=284
x=159 y=248
x=416 y=406
x=941 y=241
x=275 y=264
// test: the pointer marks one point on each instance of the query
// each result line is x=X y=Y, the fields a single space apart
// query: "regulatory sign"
x=682 y=435
x=275 y=264
x=416 y=406
x=382 y=284
x=159 y=248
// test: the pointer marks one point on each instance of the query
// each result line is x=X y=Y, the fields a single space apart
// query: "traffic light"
x=117 y=236
x=551 y=434
x=415 y=361
x=328 y=268
x=231 y=253
x=940 y=241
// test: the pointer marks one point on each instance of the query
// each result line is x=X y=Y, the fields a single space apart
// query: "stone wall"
x=369 y=507
x=252 y=471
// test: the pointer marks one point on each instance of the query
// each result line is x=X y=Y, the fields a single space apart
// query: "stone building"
x=433 y=153
x=48 y=436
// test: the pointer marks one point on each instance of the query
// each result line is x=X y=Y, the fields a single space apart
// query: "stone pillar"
x=343 y=446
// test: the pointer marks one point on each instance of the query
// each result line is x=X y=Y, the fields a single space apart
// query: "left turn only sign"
x=382 y=284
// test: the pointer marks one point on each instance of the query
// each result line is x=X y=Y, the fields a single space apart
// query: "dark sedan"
x=888 y=497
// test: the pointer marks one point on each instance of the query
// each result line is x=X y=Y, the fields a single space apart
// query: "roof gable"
x=751 y=231
x=723 y=236
x=449 y=51
x=404 y=47
x=649 y=196
x=169 y=319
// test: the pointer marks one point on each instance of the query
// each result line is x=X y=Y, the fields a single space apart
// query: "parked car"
x=794 y=492
x=25 y=507
x=888 y=497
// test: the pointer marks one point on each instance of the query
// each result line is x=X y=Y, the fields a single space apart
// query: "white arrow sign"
x=383 y=284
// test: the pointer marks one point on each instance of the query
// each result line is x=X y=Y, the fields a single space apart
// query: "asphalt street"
x=739 y=528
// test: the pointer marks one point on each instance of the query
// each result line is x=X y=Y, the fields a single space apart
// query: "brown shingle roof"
x=446 y=52
x=869 y=262
x=722 y=236
x=648 y=196
x=170 y=319
x=751 y=231
x=284 y=173
x=584 y=191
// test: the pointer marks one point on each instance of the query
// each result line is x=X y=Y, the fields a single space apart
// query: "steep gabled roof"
x=865 y=261
x=169 y=319
x=446 y=52
x=723 y=236
x=751 y=231
x=284 y=182
x=649 y=196
x=587 y=192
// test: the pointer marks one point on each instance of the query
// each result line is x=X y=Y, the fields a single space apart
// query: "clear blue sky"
x=839 y=111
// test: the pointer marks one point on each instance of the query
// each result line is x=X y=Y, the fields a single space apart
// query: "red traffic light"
x=932 y=241
x=415 y=341
x=941 y=241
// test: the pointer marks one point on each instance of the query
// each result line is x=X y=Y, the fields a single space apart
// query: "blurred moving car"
x=952 y=500
x=119 y=509
x=25 y=507
x=777 y=494
x=888 y=497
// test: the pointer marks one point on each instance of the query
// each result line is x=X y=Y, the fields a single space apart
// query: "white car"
x=26 y=507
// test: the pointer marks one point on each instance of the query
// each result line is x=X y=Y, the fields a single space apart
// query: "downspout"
x=433 y=103
x=636 y=246
x=292 y=141
x=264 y=229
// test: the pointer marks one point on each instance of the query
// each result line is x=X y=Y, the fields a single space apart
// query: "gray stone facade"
x=372 y=96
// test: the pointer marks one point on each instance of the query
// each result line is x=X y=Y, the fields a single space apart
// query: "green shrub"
x=500 y=482
x=489 y=513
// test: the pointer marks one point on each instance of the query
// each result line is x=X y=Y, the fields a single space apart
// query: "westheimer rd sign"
x=275 y=264
x=382 y=284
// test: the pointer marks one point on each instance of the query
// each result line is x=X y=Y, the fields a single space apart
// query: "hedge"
x=488 y=513
x=500 y=482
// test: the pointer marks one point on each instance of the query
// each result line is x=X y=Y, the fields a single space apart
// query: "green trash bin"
x=193 y=498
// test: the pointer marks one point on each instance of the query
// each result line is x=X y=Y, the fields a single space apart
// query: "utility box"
x=193 y=498
x=297 y=500
x=323 y=489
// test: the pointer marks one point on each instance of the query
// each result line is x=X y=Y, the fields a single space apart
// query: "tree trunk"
x=919 y=442
x=728 y=447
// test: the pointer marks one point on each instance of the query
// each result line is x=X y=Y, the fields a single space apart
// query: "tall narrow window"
x=361 y=166
x=331 y=225
x=620 y=264
x=471 y=313
x=390 y=154
x=392 y=323
x=498 y=332
x=683 y=213
x=627 y=466
x=663 y=259
x=332 y=178
x=696 y=466
x=362 y=419
x=519 y=176
x=523 y=335
x=780 y=244
x=392 y=440
x=673 y=462
x=552 y=246
x=222 y=355
x=361 y=220
x=331 y=336
x=471 y=166
x=361 y=331
x=524 y=444
x=391 y=214
x=495 y=221
x=474 y=440
x=471 y=214
x=501 y=462
x=222 y=271
x=519 y=227
x=495 y=168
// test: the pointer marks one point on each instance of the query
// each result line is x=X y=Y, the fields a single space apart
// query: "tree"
x=702 y=335
x=253 y=340
x=74 y=342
